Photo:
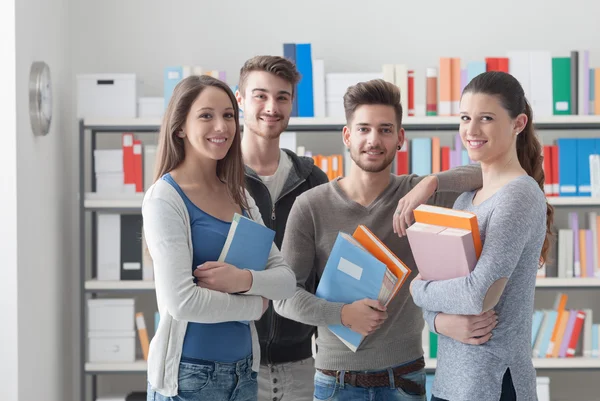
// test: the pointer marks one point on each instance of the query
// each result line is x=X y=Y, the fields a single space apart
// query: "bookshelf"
x=430 y=364
x=91 y=203
x=441 y=123
x=547 y=363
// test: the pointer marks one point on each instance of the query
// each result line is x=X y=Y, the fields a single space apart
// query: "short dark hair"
x=276 y=65
x=376 y=91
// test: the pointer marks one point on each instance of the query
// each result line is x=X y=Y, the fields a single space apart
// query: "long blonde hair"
x=171 y=151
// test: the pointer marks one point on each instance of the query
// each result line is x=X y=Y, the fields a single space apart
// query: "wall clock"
x=40 y=98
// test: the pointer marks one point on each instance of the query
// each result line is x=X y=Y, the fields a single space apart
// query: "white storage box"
x=111 y=346
x=108 y=160
x=112 y=183
x=151 y=107
x=107 y=96
x=111 y=314
x=543 y=388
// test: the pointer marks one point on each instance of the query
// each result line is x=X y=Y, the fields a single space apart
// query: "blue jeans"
x=328 y=388
x=213 y=381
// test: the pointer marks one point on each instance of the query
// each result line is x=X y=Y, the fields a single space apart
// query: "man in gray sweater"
x=389 y=364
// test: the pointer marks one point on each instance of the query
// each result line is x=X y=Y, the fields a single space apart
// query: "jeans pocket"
x=193 y=378
x=417 y=377
x=325 y=387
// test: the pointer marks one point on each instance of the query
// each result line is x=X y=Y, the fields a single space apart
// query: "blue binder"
x=351 y=274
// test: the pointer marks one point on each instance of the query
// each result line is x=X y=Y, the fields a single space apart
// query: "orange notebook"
x=442 y=216
x=371 y=243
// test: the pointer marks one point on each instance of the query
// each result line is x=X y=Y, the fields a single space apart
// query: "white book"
x=318 y=69
x=583 y=89
x=587 y=333
x=401 y=78
x=540 y=83
x=519 y=66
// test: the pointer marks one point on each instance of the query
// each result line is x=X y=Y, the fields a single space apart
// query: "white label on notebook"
x=132 y=266
x=562 y=106
x=350 y=269
x=569 y=189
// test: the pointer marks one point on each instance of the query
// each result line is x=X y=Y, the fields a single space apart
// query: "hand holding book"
x=364 y=316
x=223 y=277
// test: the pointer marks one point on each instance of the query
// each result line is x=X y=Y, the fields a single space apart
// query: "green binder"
x=561 y=85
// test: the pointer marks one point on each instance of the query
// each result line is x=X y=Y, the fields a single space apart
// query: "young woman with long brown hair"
x=515 y=222
x=203 y=349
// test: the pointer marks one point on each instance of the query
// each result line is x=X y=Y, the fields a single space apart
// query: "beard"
x=372 y=167
x=254 y=124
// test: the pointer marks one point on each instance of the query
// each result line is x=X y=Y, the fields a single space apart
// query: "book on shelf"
x=563 y=332
x=360 y=266
x=575 y=253
x=454 y=234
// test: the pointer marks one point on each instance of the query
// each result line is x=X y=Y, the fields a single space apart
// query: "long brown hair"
x=529 y=149
x=171 y=151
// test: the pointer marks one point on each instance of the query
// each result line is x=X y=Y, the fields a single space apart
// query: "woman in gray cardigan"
x=514 y=221
x=206 y=346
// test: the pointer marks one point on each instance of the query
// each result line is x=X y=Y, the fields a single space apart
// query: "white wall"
x=45 y=193
x=144 y=36
x=350 y=35
x=9 y=373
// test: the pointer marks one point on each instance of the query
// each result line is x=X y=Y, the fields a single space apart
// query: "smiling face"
x=210 y=127
x=267 y=104
x=487 y=131
x=373 y=137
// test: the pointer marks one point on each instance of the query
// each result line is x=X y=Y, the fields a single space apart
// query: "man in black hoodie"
x=274 y=178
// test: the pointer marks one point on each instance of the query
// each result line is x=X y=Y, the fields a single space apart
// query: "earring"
x=399 y=147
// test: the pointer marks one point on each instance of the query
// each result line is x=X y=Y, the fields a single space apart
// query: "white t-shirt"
x=276 y=181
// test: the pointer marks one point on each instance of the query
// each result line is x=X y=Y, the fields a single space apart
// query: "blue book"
x=568 y=166
x=421 y=156
x=172 y=76
x=289 y=52
x=351 y=274
x=475 y=68
x=305 y=86
x=538 y=317
x=552 y=316
x=248 y=244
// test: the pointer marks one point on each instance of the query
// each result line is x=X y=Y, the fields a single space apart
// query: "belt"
x=382 y=379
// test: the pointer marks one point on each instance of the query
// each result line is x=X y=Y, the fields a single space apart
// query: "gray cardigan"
x=167 y=233
x=512 y=224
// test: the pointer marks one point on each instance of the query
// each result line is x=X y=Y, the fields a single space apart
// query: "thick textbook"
x=445 y=242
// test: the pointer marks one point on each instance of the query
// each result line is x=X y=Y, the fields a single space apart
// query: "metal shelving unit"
x=90 y=202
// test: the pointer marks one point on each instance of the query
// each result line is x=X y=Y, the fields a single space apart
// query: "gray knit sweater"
x=512 y=224
x=314 y=222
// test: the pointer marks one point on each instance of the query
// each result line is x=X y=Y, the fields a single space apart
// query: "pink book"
x=441 y=253
x=589 y=250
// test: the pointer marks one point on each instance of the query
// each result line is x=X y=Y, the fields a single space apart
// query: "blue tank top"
x=220 y=342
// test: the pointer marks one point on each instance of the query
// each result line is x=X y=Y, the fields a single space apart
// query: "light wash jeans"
x=213 y=381
x=328 y=388
x=291 y=381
